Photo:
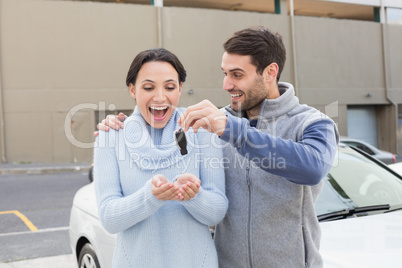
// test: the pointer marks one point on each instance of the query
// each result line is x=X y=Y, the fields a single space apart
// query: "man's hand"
x=111 y=121
x=205 y=115
x=188 y=185
x=163 y=189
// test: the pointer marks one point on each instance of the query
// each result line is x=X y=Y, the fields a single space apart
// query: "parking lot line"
x=48 y=230
x=27 y=222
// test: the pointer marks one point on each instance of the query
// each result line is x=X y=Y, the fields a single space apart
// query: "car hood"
x=85 y=199
x=369 y=241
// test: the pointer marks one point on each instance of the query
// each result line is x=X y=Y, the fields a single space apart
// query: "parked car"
x=386 y=157
x=91 y=173
x=360 y=213
x=91 y=244
x=359 y=209
x=397 y=167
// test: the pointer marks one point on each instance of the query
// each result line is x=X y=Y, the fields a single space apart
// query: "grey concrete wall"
x=339 y=60
x=394 y=45
x=61 y=56
x=56 y=55
x=197 y=35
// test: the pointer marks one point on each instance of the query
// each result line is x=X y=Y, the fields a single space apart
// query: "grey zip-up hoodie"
x=273 y=177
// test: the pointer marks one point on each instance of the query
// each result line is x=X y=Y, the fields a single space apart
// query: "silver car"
x=359 y=209
x=384 y=156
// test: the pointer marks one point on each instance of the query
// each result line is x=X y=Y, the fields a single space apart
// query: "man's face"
x=245 y=86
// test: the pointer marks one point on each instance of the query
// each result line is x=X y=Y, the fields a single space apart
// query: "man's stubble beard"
x=256 y=94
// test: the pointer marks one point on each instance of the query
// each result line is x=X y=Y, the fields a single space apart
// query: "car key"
x=181 y=141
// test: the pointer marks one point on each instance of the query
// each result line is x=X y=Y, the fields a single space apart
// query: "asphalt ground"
x=62 y=261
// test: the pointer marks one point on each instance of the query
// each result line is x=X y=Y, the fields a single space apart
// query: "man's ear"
x=271 y=72
x=132 y=90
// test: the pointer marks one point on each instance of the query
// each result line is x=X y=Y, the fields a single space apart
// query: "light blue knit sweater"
x=152 y=232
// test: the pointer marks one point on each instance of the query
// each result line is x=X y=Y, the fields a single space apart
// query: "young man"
x=276 y=155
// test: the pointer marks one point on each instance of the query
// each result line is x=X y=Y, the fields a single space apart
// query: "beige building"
x=63 y=64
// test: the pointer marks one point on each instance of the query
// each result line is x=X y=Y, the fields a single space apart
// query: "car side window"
x=361 y=147
x=365 y=148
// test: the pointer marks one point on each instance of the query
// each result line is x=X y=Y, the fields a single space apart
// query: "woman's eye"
x=170 y=87
x=148 y=88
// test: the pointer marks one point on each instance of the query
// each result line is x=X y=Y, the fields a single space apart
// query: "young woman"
x=158 y=200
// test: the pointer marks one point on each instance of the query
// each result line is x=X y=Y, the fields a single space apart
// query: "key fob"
x=181 y=141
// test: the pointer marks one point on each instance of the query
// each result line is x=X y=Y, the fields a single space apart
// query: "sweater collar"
x=140 y=142
x=275 y=107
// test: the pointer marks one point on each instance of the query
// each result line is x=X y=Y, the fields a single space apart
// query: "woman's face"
x=157 y=91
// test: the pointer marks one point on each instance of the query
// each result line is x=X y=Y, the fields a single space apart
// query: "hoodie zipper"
x=249 y=212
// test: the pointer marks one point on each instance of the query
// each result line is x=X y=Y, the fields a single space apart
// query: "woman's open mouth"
x=158 y=113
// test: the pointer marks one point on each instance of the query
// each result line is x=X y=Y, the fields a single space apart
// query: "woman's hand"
x=163 y=189
x=188 y=185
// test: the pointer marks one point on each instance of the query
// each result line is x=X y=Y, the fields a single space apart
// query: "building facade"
x=63 y=64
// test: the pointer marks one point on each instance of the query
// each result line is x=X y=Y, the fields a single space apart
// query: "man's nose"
x=227 y=83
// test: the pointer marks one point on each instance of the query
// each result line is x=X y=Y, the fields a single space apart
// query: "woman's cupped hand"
x=185 y=187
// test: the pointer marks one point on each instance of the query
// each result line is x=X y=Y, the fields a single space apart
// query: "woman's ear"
x=271 y=72
x=180 y=87
x=132 y=90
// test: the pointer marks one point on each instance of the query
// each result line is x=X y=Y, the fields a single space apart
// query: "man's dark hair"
x=264 y=47
x=155 y=54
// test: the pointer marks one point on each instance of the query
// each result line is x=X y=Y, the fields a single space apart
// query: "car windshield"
x=355 y=181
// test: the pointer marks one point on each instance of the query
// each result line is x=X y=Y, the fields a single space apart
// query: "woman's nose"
x=159 y=95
